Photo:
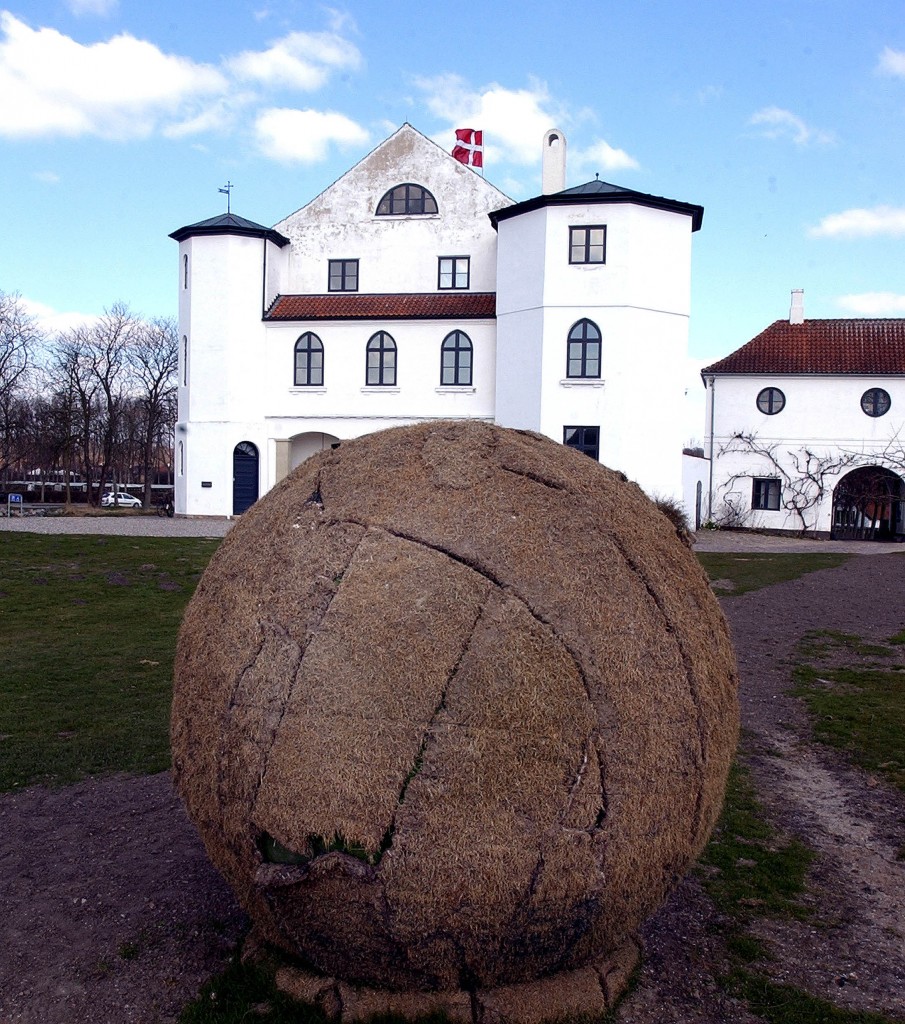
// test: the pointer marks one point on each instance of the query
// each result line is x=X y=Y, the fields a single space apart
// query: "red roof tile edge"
x=355 y=306
x=870 y=347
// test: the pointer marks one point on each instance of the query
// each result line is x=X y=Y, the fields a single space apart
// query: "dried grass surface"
x=474 y=682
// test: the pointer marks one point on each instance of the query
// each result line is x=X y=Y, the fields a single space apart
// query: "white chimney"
x=796 y=313
x=554 y=162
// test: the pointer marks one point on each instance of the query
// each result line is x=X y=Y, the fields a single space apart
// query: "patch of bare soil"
x=109 y=908
x=110 y=911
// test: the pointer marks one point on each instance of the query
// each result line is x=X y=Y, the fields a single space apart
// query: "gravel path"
x=123 y=525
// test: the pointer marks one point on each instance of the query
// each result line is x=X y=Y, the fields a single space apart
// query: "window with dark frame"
x=453 y=272
x=587 y=244
x=770 y=401
x=765 y=494
x=456 y=360
x=381 y=361
x=343 y=276
x=875 y=402
x=584 y=350
x=583 y=439
x=408 y=199
x=309 y=361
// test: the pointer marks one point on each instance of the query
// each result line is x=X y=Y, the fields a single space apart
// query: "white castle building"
x=413 y=289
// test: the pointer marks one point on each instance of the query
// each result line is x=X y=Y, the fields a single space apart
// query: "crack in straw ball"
x=454 y=708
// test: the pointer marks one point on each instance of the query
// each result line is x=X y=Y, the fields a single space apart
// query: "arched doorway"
x=868 y=504
x=303 y=446
x=245 y=476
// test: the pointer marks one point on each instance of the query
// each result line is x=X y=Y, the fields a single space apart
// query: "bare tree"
x=806 y=475
x=154 y=357
x=71 y=369
x=19 y=337
x=109 y=342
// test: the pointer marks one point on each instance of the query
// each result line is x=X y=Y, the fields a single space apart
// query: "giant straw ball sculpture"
x=454 y=709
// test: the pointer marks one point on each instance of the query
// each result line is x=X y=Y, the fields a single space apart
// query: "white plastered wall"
x=822 y=414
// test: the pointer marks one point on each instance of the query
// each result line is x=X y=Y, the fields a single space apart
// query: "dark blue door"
x=245 y=476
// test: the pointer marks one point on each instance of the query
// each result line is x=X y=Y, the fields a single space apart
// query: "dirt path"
x=852 y=950
x=110 y=912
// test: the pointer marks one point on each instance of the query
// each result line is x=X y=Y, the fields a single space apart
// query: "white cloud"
x=121 y=89
x=51 y=321
x=892 y=62
x=873 y=303
x=514 y=122
x=602 y=156
x=300 y=60
x=776 y=123
x=862 y=223
x=304 y=136
x=100 y=7
x=126 y=88
x=47 y=177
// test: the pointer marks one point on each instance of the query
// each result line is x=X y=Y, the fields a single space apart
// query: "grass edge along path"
x=855 y=693
x=749 y=870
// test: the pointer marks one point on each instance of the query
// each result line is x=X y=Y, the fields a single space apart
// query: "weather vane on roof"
x=227 y=189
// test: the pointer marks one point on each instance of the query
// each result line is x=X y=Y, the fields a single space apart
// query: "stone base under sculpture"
x=592 y=990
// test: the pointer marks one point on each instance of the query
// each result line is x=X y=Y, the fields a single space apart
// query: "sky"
x=120 y=120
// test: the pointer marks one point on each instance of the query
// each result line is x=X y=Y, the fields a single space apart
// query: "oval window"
x=771 y=401
x=875 y=402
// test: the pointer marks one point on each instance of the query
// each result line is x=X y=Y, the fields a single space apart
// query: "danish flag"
x=469 y=147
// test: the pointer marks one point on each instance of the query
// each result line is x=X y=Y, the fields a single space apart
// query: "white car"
x=122 y=499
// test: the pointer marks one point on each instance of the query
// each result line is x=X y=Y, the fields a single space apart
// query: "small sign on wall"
x=206 y=483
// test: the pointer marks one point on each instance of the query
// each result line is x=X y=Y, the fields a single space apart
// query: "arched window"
x=770 y=401
x=381 y=361
x=584 y=350
x=309 y=361
x=185 y=271
x=185 y=360
x=455 y=359
x=407 y=199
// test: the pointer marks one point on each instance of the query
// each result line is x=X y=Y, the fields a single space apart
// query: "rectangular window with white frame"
x=453 y=272
x=766 y=493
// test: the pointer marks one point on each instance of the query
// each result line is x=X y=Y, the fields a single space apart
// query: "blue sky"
x=785 y=120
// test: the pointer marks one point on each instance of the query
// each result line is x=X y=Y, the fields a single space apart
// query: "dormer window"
x=407 y=200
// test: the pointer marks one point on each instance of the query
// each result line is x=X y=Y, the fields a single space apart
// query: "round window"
x=771 y=401
x=875 y=402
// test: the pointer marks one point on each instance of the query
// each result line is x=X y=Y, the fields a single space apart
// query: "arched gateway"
x=869 y=504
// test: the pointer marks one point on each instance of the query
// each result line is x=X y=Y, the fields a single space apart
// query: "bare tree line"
x=89 y=407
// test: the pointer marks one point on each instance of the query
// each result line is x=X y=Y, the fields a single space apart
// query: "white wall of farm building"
x=822 y=414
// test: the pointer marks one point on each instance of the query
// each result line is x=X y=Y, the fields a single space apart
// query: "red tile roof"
x=354 y=306
x=821 y=346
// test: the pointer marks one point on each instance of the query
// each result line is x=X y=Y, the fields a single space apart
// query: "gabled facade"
x=413 y=289
x=805 y=428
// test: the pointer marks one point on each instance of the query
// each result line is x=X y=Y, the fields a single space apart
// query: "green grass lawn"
x=856 y=694
x=753 y=571
x=88 y=631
